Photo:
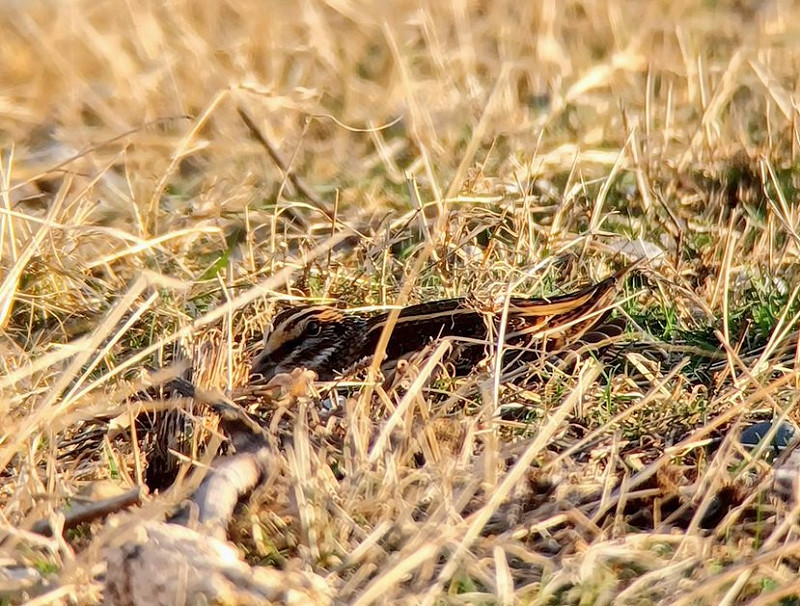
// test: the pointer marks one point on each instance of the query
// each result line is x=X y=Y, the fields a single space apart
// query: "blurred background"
x=136 y=104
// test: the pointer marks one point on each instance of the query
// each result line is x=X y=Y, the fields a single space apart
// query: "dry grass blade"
x=588 y=375
x=8 y=289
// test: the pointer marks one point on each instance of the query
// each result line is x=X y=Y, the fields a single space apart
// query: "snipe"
x=329 y=340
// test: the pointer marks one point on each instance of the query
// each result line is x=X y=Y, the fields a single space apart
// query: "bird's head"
x=315 y=337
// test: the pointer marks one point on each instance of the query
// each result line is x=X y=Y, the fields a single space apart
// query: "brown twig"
x=88 y=512
x=273 y=152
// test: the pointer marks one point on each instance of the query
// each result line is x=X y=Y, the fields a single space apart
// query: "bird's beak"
x=262 y=369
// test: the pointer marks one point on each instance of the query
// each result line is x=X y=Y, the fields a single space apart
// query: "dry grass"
x=426 y=149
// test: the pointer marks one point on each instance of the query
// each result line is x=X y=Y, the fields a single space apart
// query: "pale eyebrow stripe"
x=280 y=331
x=296 y=317
x=326 y=314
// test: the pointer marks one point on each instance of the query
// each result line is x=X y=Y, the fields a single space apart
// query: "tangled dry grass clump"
x=173 y=173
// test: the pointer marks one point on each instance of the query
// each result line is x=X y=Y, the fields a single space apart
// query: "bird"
x=329 y=341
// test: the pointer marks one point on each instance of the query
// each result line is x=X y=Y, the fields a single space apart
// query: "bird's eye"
x=313 y=328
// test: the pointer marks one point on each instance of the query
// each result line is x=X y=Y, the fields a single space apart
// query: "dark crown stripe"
x=298 y=315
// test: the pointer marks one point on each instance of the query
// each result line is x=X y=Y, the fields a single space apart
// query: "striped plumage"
x=329 y=341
